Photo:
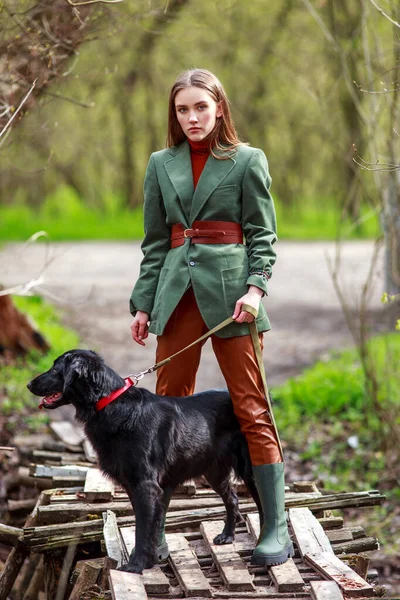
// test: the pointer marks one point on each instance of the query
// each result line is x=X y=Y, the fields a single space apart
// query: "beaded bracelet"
x=261 y=272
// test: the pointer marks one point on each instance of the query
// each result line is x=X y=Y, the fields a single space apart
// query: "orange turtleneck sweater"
x=199 y=152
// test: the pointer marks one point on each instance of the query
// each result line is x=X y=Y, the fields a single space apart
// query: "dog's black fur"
x=150 y=444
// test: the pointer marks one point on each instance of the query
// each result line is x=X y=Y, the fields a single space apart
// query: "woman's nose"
x=192 y=118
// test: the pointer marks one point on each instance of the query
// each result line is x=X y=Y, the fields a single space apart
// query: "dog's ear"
x=85 y=378
x=77 y=380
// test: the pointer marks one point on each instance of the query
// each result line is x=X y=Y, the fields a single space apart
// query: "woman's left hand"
x=252 y=298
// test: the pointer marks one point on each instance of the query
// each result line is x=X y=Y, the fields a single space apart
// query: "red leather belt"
x=207 y=232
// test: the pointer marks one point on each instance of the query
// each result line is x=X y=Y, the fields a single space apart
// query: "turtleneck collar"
x=201 y=147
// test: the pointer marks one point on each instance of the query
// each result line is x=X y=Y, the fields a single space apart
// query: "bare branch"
x=384 y=14
x=93 y=2
x=7 y=125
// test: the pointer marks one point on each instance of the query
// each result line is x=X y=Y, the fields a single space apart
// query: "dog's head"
x=78 y=377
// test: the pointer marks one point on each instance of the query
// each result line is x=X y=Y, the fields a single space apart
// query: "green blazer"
x=236 y=189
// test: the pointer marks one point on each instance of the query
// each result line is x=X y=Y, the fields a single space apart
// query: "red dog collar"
x=100 y=404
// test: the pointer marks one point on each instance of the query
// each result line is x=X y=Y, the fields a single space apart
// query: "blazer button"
x=192 y=263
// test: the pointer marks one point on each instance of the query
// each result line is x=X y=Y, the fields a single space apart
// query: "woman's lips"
x=194 y=128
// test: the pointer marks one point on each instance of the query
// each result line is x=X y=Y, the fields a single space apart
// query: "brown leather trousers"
x=238 y=364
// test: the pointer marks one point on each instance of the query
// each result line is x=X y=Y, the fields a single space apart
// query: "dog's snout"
x=29 y=386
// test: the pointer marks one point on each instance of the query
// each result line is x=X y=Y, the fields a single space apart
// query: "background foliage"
x=83 y=147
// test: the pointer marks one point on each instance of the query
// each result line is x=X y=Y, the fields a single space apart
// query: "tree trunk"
x=17 y=335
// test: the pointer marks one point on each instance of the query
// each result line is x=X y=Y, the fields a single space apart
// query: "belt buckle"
x=185 y=233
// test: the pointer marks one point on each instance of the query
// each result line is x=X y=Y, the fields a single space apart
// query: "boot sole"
x=162 y=551
x=270 y=560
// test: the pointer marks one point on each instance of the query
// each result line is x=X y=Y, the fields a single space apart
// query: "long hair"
x=223 y=139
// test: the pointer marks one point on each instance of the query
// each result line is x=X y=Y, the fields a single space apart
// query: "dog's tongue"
x=50 y=399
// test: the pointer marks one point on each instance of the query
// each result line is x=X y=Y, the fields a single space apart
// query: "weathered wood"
x=53 y=564
x=253 y=522
x=309 y=534
x=86 y=579
x=331 y=567
x=125 y=586
x=36 y=582
x=112 y=538
x=306 y=486
x=53 y=514
x=11 y=569
x=97 y=486
x=26 y=505
x=232 y=569
x=287 y=577
x=10 y=535
x=90 y=452
x=339 y=535
x=68 y=432
x=17 y=334
x=108 y=564
x=154 y=579
x=188 y=488
x=61 y=471
x=329 y=523
x=361 y=545
x=58 y=457
x=186 y=568
x=325 y=590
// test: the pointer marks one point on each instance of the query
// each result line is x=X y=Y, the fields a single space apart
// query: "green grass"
x=65 y=216
x=325 y=416
x=16 y=402
x=335 y=388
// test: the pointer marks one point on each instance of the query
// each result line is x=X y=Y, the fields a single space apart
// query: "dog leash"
x=257 y=349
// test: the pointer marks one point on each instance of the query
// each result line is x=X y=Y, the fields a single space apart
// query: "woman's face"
x=197 y=112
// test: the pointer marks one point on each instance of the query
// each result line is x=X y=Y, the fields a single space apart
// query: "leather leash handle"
x=258 y=353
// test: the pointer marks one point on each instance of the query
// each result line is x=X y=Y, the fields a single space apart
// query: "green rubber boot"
x=274 y=545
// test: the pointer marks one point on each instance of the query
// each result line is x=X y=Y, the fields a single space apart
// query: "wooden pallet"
x=329 y=563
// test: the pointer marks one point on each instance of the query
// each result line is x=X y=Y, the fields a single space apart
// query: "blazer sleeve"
x=155 y=245
x=259 y=220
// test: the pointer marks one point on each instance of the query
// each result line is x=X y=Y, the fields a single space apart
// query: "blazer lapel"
x=179 y=170
x=213 y=174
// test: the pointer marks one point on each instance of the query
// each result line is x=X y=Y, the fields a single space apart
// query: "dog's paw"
x=223 y=538
x=131 y=568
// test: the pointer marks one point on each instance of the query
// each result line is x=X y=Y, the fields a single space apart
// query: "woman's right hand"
x=140 y=327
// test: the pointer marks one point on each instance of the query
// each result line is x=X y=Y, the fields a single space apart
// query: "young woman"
x=202 y=195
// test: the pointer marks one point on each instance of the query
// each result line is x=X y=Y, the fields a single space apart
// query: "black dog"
x=150 y=444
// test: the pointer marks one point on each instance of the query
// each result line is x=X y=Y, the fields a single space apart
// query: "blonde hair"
x=223 y=139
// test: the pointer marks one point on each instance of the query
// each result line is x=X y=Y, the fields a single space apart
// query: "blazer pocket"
x=234 y=285
x=159 y=294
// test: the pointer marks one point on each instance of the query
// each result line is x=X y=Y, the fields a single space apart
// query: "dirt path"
x=94 y=280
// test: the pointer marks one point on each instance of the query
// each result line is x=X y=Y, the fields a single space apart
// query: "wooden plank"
x=155 y=581
x=97 y=486
x=232 y=569
x=331 y=522
x=286 y=577
x=339 y=535
x=86 y=579
x=309 y=534
x=253 y=523
x=70 y=434
x=66 y=471
x=331 y=567
x=90 y=452
x=125 y=586
x=112 y=539
x=186 y=568
x=325 y=590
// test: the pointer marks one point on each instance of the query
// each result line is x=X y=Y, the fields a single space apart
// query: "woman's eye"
x=202 y=106
x=181 y=110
